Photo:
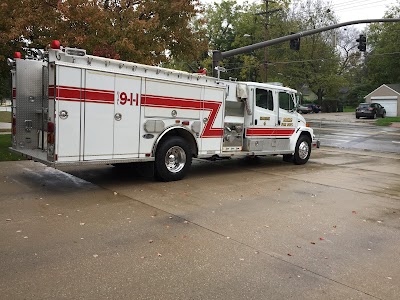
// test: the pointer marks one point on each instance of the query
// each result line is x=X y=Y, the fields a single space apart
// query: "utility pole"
x=266 y=39
x=267 y=14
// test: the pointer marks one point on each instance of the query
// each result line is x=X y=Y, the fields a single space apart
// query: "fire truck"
x=71 y=108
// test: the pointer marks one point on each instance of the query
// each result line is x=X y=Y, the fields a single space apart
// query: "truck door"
x=68 y=96
x=261 y=133
x=287 y=116
x=287 y=119
x=127 y=116
x=99 y=115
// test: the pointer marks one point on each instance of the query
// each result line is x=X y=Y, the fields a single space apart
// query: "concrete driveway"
x=235 y=229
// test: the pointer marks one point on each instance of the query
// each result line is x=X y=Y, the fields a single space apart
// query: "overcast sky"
x=347 y=10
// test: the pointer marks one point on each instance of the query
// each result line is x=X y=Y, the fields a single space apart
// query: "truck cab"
x=270 y=122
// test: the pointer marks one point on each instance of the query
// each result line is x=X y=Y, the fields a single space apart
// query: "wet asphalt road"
x=356 y=136
x=237 y=229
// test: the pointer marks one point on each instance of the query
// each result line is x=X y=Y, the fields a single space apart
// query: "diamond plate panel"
x=30 y=103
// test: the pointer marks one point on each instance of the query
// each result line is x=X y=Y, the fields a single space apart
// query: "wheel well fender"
x=181 y=132
x=306 y=133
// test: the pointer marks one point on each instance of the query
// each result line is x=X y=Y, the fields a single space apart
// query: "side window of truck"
x=285 y=101
x=264 y=99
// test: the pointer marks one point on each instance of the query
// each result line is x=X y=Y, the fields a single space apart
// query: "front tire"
x=173 y=159
x=303 y=150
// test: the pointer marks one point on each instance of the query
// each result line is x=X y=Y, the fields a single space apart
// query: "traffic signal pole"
x=219 y=56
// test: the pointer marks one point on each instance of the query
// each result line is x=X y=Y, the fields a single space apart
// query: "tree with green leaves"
x=383 y=59
x=316 y=64
x=144 y=31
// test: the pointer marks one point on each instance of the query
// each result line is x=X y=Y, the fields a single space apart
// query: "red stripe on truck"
x=184 y=103
x=75 y=94
x=66 y=93
x=269 y=132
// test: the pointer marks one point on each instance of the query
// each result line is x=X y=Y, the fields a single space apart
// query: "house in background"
x=387 y=95
x=308 y=94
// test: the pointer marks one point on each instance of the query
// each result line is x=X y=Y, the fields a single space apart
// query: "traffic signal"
x=295 y=43
x=362 y=43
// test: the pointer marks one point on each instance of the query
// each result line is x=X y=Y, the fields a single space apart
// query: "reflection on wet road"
x=363 y=137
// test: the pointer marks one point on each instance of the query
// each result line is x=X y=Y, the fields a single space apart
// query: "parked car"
x=304 y=109
x=315 y=108
x=370 y=110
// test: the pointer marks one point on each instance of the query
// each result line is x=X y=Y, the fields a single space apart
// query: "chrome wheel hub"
x=303 y=150
x=175 y=159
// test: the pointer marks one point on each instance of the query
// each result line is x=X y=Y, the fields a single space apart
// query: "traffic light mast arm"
x=218 y=55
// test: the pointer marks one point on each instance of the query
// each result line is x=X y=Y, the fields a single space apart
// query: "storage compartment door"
x=68 y=95
x=126 y=117
x=27 y=103
x=212 y=117
x=99 y=115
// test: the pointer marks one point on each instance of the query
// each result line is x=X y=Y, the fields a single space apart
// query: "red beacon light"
x=17 y=55
x=55 y=44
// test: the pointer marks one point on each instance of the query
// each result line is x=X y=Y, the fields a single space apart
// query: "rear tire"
x=383 y=115
x=173 y=159
x=303 y=150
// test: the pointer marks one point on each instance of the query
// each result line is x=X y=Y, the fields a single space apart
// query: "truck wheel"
x=303 y=150
x=173 y=159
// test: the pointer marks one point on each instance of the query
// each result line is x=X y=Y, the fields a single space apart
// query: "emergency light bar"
x=75 y=52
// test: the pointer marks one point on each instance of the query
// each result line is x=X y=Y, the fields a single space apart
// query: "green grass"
x=5 y=154
x=5 y=116
x=349 y=109
x=387 y=121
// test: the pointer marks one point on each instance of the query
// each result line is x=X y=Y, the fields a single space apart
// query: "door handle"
x=118 y=117
x=63 y=114
x=255 y=122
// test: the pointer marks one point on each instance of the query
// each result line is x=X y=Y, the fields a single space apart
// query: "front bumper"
x=316 y=143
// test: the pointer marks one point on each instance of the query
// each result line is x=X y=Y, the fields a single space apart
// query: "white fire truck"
x=70 y=108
